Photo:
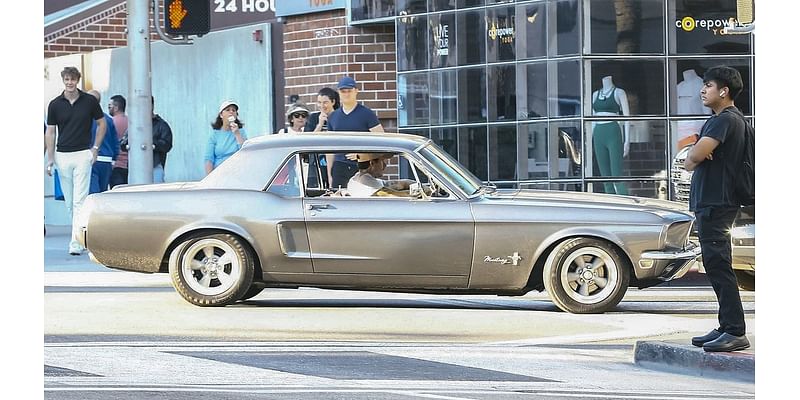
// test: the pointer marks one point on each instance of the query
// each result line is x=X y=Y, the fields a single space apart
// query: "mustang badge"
x=512 y=259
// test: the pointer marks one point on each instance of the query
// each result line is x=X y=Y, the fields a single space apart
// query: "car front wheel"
x=213 y=270
x=584 y=275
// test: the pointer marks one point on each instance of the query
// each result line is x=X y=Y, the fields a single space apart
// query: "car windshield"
x=451 y=169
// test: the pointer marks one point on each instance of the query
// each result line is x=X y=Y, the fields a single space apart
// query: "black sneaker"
x=699 y=341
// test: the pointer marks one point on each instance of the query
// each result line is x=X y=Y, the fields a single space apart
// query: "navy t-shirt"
x=713 y=181
x=360 y=119
x=74 y=121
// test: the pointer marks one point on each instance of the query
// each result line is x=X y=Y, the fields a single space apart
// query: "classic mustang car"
x=264 y=219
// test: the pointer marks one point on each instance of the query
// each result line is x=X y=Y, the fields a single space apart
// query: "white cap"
x=225 y=105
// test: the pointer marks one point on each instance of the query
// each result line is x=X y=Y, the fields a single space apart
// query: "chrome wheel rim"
x=589 y=275
x=211 y=267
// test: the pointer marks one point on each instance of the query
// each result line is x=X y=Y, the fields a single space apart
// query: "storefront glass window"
x=625 y=27
x=443 y=97
x=469 y=3
x=637 y=85
x=534 y=139
x=472 y=95
x=442 y=40
x=503 y=152
x=406 y=7
x=565 y=95
x=471 y=37
x=531 y=23
x=412 y=43
x=531 y=85
x=361 y=10
x=565 y=149
x=607 y=158
x=442 y=5
x=695 y=27
x=501 y=34
x=472 y=150
x=502 y=92
x=564 y=29
x=447 y=139
x=686 y=80
x=412 y=99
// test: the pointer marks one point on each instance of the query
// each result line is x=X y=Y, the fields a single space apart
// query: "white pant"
x=75 y=173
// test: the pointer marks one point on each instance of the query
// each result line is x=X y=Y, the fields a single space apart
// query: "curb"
x=682 y=358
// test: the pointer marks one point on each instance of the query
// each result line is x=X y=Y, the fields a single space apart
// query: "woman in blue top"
x=227 y=136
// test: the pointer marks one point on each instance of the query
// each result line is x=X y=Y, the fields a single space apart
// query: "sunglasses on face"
x=299 y=115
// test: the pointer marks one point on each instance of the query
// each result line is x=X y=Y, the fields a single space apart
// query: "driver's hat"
x=366 y=157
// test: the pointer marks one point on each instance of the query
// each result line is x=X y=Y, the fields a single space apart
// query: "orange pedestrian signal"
x=187 y=17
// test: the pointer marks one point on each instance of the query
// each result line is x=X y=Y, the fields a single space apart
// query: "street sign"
x=187 y=17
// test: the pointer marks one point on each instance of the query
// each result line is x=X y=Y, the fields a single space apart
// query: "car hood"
x=157 y=187
x=587 y=199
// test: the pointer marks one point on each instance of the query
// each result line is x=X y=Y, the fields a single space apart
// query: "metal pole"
x=140 y=124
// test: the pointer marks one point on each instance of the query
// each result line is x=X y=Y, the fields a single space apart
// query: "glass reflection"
x=502 y=93
x=626 y=27
x=412 y=99
x=443 y=97
x=502 y=152
x=443 y=40
x=565 y=97
x=472 y=42
x=532 y=23
x=564 y=28
x=531 y=83
x=412 y=43
x=501 y=33
x=472 y=95
x=447 y=139
x=472 y=150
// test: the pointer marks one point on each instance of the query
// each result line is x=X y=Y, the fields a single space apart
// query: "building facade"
x=580 y=95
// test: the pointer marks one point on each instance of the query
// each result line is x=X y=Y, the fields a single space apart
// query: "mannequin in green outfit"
x=610 y=141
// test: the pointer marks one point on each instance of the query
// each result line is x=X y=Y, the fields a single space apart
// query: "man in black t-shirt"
x=715 y=159
x=73 y=153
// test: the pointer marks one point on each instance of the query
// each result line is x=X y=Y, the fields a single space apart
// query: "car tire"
x=252 y=292
x=213 y=270
x=586 y=276
x=746 y=279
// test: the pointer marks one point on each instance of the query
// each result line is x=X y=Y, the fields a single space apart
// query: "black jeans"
x=713 y=229
x=342 y=172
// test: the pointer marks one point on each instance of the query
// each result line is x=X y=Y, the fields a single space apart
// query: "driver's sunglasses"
x=299 y=115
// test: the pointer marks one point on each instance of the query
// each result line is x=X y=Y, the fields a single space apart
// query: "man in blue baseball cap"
x=353 y=117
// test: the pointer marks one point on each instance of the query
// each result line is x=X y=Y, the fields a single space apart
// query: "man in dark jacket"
x=162 y=144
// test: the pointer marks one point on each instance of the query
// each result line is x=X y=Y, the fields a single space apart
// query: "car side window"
x=286 y=182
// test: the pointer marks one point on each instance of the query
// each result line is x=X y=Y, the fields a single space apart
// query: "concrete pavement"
x=672 y=353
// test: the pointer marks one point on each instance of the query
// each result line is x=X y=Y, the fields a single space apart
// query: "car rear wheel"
x=213 y=270
x=746 y=279
x=584 y=276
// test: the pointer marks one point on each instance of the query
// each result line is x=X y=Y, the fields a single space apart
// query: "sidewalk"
x=672 y=354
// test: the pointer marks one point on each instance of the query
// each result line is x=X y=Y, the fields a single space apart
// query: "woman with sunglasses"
x=297 y=116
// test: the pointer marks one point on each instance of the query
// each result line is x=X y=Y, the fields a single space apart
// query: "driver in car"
x=366 y=182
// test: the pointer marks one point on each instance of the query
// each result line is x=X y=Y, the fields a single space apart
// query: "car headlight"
x=678 y=234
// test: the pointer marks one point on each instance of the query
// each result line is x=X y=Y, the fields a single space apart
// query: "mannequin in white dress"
x=689 y=103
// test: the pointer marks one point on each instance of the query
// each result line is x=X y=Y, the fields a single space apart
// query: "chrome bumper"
x=670 y=265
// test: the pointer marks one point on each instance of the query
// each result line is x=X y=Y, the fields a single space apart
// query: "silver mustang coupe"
x=267 y=218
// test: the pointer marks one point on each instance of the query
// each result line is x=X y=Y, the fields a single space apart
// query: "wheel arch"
x=552 y=242
x=180 y=238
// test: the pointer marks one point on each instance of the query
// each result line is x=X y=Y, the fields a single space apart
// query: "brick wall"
x=104 y=30
x=320 y=48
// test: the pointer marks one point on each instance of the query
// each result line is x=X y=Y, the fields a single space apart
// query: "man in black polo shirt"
x=73 y=153
x=715 y=159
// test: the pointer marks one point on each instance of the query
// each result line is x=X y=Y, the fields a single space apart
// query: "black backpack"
x=745 y=188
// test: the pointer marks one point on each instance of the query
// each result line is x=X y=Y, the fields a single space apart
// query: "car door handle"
x=311 y=207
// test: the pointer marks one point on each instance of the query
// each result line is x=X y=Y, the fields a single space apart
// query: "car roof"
x=336 y=139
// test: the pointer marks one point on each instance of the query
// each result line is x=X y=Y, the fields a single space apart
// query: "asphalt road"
x=120 y=335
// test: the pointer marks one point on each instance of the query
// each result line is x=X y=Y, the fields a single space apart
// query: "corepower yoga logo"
x=715 y=26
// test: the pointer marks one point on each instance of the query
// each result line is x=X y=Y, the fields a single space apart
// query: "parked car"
x=255 y=222
x=743 y=234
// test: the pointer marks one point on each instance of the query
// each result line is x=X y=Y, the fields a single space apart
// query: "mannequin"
x=689 y=103
x=610 y=141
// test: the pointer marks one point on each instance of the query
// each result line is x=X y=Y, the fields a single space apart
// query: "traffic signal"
x=187 y=17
